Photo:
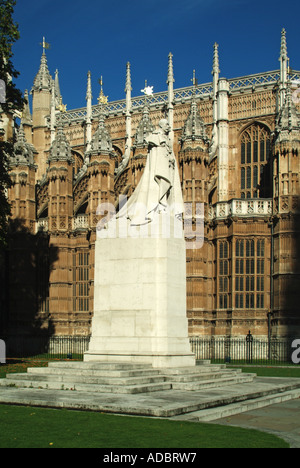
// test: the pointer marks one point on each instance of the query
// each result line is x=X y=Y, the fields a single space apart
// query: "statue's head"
x=164 y=125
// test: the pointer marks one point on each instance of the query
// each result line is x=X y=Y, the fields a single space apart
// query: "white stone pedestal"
x=140 y=303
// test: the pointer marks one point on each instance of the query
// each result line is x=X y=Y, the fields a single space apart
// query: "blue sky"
x=102 y=36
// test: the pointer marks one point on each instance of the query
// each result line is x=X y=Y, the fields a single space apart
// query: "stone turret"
x=22 y=173
x=286 y=161
x=286 y=226
x=145 y=127
x=101 y=166
x=60 y=176
x=193 y=156
x=41 y=107
x=140 y=146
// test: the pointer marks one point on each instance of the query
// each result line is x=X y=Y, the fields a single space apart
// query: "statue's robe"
x=159 y=189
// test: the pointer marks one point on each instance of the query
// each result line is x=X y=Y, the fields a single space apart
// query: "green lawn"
x=265 y=371
x=28 y=427
x=19 y=367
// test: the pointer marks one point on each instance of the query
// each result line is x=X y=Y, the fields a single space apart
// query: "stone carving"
x=159 y=190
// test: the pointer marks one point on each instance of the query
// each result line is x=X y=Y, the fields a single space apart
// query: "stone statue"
x=140 y=271
x=159 y=190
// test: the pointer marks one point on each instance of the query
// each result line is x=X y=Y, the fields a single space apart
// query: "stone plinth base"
x=140 y=303
x=156 y=361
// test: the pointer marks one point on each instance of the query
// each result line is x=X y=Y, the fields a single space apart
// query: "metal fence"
x=45 y=347
x=247 y=350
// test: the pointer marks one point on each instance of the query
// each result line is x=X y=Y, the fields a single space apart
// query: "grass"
x=16 y=366
x=28 y=427
x=265 y=371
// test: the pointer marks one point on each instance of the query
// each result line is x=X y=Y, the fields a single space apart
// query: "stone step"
x=202 y=362
x=186 y=374
x=127 y=386
x=182 y=405
x=214 y=383
x=134 y=369
x=203 y=376
x=231 y=409
x=111 y=380
x=109 y=366
x=197 y=370
x=91 y=372
x=88 y=387
x=62 y=378
x=124 y=377
x=97 y=377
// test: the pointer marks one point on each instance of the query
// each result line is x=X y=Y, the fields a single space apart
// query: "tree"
x=11 y=102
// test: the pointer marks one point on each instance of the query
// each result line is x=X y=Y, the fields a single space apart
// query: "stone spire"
x=194 y=128
x=43 y=79
x=60 y=149
x=289 y=119
x=89 y=98
x=216 y=75
x=128 y=87
x=26 y=115
x=101 y=141
x=52 y=113
x=58 y=95
x=284 y=68
x=23 y=151
x=283 y=49
x=144 y=128
x=170 y=83
x=128 y=90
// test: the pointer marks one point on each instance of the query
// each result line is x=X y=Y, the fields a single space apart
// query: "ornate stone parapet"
x=241 y=208
x=81 y=222
x=42 y=225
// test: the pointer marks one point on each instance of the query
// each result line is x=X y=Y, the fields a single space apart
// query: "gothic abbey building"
x=237 y=146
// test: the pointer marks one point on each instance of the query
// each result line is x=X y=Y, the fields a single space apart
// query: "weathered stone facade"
x=237 y=146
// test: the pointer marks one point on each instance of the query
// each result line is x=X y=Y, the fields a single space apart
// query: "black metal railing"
x=43 y=347
x=243 y=350
x=234 y=350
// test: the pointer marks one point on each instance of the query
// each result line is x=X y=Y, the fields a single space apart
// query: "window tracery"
x=255 y=162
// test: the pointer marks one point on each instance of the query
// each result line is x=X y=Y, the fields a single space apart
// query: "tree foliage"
x=9 y=34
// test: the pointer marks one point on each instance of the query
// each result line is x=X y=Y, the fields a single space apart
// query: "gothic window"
x=255 y=162
x=250 y=274
x=224 y=275
x=260 y=274
x=81 y=283
x=78 y=162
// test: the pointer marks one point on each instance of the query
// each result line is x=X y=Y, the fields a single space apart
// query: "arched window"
x=250 y=274
x=224 y=275
x=255 y=162
x=78 y=162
